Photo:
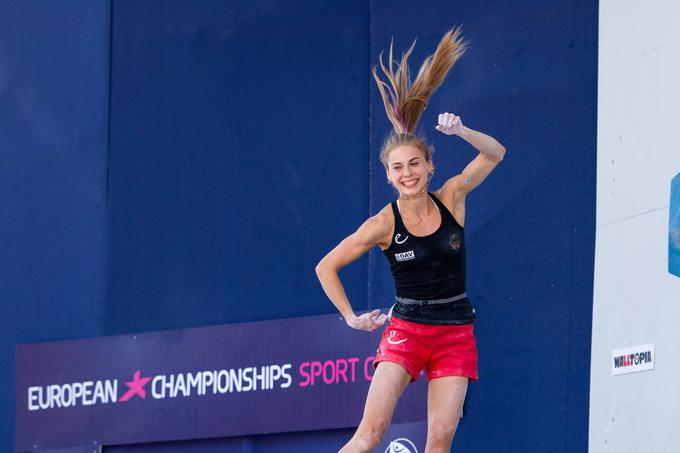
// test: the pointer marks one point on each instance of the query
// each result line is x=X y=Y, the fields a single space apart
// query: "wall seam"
x=371 y=253
x=107 y=198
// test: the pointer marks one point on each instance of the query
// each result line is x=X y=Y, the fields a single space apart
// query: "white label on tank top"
x=405 y=256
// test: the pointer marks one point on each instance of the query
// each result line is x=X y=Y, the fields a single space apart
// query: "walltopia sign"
x=630 y=360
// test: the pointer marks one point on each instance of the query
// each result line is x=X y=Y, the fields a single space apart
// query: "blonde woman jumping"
x=421 y=234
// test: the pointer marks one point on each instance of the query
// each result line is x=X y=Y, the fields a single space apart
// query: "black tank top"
x=429 y=268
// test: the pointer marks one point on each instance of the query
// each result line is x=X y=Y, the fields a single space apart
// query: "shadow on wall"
x=674 y=228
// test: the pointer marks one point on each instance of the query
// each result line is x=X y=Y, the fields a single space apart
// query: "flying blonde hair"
x=405 y=101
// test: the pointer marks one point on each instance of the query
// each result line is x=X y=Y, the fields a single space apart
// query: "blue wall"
x=240 y=152
x=528 y=79
x=239 y=143
x=54 y=72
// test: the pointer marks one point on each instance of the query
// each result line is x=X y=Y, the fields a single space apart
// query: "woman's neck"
x=418 y=204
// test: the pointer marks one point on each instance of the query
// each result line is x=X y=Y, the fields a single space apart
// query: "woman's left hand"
x=449 y=124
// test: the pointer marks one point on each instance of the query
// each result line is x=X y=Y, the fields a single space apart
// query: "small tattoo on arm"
x=467 y=181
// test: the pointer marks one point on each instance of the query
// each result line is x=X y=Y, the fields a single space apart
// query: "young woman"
x=421 y=235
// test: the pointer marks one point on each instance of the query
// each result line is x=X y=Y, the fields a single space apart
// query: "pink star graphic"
x=136 y=387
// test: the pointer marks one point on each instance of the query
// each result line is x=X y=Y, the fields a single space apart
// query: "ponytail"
x=405 y=101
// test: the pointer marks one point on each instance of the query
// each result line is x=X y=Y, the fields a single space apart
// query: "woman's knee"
x=369 y=435
x=441 y=434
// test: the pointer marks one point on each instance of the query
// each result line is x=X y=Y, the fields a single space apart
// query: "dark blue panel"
x=53 y=133
x=280 y=443
x=403 y=435
x=528 y=79
x=238 y=158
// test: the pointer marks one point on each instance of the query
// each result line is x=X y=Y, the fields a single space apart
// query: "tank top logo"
x=454 y=241
x=405 y=256
x=398 y=237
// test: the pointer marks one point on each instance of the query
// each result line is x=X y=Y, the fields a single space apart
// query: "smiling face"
x=408 y=169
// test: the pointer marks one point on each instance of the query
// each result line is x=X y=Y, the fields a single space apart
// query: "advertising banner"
x=297 y=374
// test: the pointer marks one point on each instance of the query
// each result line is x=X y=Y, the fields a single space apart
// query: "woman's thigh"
x=445 y=397
x=389 y=382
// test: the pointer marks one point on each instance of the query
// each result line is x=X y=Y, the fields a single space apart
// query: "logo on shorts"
x=401 y=445
x=391 y=341
x=454 y=241
x=405 y=256
x=397 y=237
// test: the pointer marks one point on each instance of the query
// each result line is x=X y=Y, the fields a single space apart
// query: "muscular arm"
x=490 y=154
x=373 y=231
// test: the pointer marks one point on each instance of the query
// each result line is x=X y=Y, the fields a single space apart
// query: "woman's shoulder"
x=386 y=213
x=383 y=221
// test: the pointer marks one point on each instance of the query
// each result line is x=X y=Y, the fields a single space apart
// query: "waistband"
x=407 y=301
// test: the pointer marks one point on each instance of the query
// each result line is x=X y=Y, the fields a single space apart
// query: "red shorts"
x=447 y=350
